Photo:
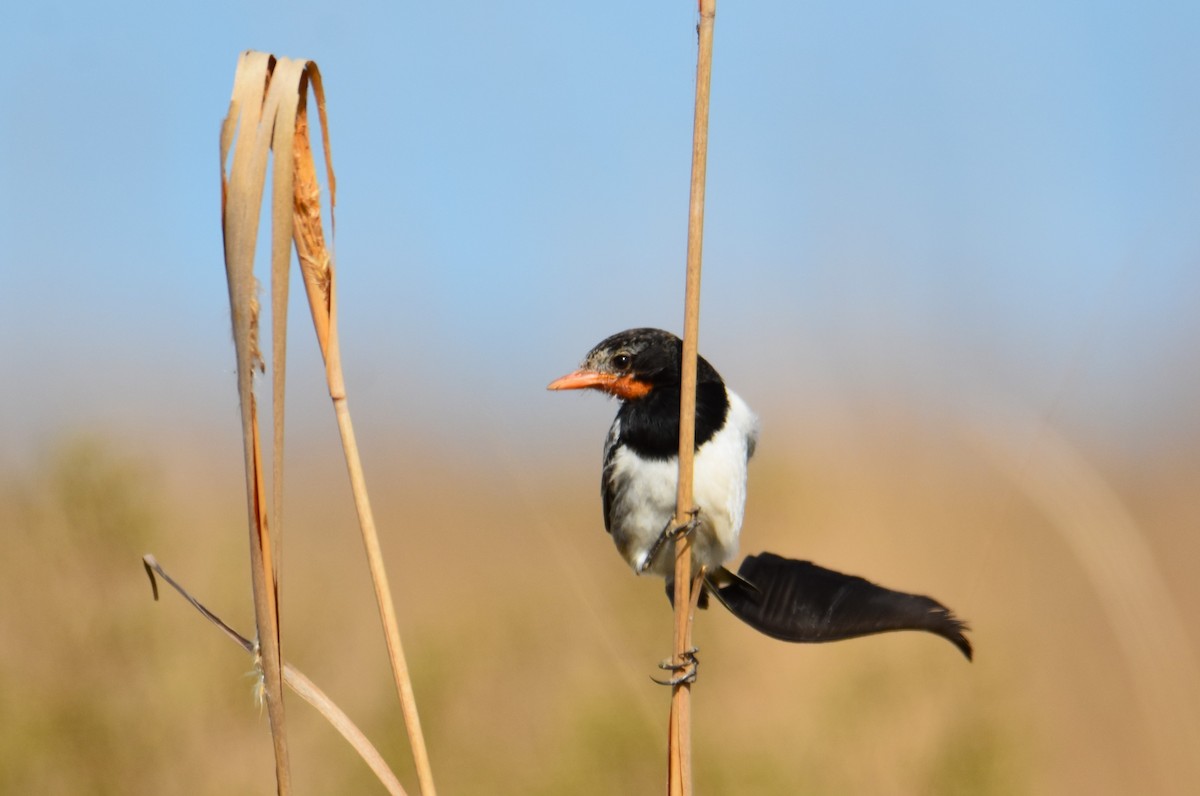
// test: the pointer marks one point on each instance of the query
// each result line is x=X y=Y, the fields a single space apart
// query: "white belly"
x=645 y=498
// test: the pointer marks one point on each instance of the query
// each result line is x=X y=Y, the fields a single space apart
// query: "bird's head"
x=633 y=363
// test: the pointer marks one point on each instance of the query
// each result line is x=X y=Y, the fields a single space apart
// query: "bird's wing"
x=608 y=489
x=802 y=602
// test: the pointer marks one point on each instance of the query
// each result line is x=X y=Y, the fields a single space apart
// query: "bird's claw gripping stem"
x=687 y=667
x=671 y=532
x=680 y=531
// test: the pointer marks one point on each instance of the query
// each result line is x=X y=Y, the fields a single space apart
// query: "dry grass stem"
x=268 y=113
x=679 y=768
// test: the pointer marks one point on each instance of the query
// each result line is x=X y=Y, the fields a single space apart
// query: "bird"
x=787 y=599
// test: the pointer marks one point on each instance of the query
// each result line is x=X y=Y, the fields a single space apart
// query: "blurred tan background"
x=531 y=644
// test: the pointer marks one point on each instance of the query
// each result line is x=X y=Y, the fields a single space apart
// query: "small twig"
x=296 y=680
x=152 y=566
x=679 y=769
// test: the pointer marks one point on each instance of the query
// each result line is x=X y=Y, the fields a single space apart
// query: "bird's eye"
x=622 y=361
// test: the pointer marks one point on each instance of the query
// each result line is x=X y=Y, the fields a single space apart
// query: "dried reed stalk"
x=268 y=112
x=679 y=748
x=253 y=109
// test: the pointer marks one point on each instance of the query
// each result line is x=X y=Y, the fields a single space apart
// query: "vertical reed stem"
x=679 y=777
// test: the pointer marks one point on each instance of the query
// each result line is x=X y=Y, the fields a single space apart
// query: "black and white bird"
x=783 y=598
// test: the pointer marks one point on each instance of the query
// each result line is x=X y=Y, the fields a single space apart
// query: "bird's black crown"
x=653 y=356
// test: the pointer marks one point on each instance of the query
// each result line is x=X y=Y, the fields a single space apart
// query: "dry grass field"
x=531 y=645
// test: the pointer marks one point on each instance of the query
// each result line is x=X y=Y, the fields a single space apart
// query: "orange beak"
x=623 y=387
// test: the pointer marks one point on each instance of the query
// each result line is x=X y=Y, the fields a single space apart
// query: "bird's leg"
x=687 y=667
x=671 y=532
x=697 y=587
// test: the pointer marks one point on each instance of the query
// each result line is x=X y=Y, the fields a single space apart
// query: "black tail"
x=802 y=602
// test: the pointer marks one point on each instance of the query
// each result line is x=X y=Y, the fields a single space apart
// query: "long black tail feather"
x=799 y=601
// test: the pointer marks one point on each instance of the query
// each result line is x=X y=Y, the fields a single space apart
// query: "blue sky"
x=939 y=203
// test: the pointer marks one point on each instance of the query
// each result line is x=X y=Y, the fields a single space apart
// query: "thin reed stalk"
x=317 y=270
x=679 y=768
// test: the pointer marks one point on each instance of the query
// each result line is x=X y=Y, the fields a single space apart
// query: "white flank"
x=647 y=502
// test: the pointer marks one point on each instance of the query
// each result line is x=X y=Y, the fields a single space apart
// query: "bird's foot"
x=687 y=667
x=671 y=532
x=680 y=531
